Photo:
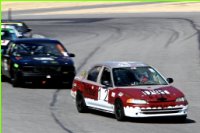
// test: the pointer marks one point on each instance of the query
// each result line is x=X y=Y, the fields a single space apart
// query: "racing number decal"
x=103 y=94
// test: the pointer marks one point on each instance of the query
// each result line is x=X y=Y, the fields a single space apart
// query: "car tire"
x=181 y=118
x=119 y=110
x=16 y=80
x=80 y=103
x=69 y=85
x=3 y=78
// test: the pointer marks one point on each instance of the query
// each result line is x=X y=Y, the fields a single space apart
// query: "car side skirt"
x=100 y=105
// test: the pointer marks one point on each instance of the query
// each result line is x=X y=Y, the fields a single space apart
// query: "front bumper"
x=180 y=110
x=73 y=94
x=64 y=78
x=48 y=72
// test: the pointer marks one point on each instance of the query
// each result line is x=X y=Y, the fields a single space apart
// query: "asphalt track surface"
x=169 y=42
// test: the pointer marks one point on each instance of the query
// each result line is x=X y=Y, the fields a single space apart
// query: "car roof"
x=22 y=25
x=3 y=26
x=120 y=64
x=36 y=40
x=19 y=23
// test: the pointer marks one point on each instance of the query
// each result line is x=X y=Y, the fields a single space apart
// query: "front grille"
x=161 y=111
x=28 y=68
x=68 y=69
x=49 y=69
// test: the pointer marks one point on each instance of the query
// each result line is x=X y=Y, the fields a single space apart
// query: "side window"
x=18 y=50
x=9 y=49
x=93 y=73
x=14 y=50
x=106 y=77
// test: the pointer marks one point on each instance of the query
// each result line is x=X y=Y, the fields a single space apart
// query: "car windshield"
x=19 y=26
x=41 y=49
x=8 y=35
x=137 y=76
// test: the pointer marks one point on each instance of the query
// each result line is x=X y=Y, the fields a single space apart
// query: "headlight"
x=136 y=101
x=181 y=99
x=16 y=65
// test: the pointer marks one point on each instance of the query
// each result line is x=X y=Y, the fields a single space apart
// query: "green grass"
x=107 y=0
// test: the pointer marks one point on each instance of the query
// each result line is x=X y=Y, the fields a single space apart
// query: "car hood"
x=44 y=60
x=152 y=93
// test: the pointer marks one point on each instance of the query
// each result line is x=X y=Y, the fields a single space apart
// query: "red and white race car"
x=128 y=89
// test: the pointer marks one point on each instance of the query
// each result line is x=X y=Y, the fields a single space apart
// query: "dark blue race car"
x=43 y=60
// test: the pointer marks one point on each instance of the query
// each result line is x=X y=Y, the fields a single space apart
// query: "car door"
x=90 y=84
x=6 y=62
x=105 y=83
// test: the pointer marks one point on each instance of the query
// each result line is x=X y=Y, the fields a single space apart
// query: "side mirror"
x=29 y=30
x=170 y=80
x=106 y=83
x=71 y=55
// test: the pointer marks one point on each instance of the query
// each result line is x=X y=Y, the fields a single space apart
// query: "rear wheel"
x=80 y=103
x=119 y=110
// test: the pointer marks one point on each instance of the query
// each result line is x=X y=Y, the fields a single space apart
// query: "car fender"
x=115 y=94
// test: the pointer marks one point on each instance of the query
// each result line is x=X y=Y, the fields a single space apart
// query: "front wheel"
x=181 y=118
x=16 y=80
x=80 y=103
x=119 y=110
x=3 y=78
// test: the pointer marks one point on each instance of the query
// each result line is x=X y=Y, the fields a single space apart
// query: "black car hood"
x=44 y=60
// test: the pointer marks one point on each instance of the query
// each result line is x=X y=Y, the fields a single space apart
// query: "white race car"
x=8 y=33
x=132 y=89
